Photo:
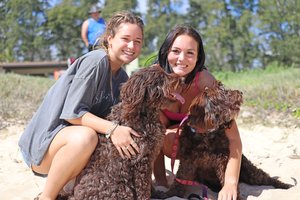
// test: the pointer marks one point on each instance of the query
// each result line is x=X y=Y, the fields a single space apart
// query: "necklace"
x=111 y=87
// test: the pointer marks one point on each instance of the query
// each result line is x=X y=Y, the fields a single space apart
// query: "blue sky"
x=142 y=5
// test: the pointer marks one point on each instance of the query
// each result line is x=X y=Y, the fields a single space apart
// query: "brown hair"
x=182 y=29
x=115 y=21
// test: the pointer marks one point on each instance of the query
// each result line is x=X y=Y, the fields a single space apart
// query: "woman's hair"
x=115 y=21
x=167 y=44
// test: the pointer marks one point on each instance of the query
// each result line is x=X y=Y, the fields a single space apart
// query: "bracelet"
x=110 y=131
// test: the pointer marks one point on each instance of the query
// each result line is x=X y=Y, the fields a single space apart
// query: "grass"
x=274 y=90
x=20 y=96
x=269 y=95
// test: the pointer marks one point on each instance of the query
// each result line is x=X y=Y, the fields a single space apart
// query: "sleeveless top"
x=95 y=29
x=178 y=117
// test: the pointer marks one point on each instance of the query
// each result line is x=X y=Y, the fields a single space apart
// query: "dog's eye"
x=193 y=130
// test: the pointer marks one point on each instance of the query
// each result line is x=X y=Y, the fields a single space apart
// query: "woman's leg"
x=67 y=155
x=159 y=169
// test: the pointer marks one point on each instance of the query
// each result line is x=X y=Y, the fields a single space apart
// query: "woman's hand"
x=228 y=192
x=123 y=141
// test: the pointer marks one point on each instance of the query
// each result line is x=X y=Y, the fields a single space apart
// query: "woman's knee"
x=85 y=138
x=168 y=144
x=79 y=138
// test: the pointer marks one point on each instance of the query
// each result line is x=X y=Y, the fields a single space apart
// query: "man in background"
x=92 y=28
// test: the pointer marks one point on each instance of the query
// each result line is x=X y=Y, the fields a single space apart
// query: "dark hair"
x=171 y=36
x=115 y=21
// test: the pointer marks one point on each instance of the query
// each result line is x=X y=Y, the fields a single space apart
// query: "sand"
x=274 y=149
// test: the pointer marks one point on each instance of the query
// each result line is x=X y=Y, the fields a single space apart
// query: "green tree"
x=6 y=49
x=279 y=22
x=22 y=30
x=161 y=16
x=237 y=34
x=112 y=6
x=225 y=28
x=64 y=26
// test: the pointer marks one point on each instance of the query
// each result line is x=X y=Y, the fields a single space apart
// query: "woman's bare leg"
x=67 y=155
x=159 y=169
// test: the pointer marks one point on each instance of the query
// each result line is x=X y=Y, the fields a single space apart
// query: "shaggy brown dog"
x=204 y=154
x=107 y=175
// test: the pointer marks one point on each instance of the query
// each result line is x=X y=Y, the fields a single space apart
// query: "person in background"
x=92 y=28
x=63 y=133
x=182 y=53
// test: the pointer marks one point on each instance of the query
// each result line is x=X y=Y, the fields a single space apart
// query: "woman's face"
x=182 y=55
x=126 y=45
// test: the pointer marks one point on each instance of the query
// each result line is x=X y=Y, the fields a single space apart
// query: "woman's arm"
x=84 y=30
x=121 y=136
x=233 y=166
x=90 y=120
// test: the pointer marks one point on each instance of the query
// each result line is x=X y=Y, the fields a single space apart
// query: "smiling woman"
x=183 y=55
x=182 y=52
x=58 y=142
x=126 y=46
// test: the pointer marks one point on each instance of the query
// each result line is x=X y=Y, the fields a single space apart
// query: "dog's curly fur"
x=204 y=156
x=107 y=175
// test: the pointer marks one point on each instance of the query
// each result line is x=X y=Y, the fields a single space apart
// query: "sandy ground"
x=275 y=149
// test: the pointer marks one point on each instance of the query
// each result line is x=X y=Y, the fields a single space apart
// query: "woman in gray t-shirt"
x=62 y=134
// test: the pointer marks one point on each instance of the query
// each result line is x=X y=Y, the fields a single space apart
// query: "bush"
x=21 y=95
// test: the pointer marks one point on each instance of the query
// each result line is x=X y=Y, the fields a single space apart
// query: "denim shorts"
x=26 y=159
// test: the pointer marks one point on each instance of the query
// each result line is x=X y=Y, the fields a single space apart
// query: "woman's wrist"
x=231 y=181
x=111 y=130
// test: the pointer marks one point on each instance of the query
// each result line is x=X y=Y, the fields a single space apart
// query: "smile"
x=129 y=53
x=181 y=66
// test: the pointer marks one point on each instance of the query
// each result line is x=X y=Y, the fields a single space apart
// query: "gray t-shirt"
x=84 y=87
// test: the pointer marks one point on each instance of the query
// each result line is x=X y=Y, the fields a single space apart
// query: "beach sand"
x=274 y=149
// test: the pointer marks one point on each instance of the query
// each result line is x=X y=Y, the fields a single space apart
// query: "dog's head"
x=215 y=108
x=149 y=88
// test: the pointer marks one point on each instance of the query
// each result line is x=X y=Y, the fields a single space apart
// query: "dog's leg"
x=186 y=171
x=142 y=179
x=176 y=189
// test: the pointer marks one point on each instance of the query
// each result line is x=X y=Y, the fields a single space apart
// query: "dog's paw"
x=159 y=193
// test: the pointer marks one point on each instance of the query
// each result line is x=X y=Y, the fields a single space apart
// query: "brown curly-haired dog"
x=107 y=175
x=204 y=156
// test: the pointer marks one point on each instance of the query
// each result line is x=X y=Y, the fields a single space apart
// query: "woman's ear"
x=109 y=38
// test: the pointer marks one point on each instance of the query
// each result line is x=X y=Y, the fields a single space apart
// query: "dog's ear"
x=216 y=106
x=235 y=100
x=133 y=91
x=197 y=111
x=229 y=102
x=144 y=87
